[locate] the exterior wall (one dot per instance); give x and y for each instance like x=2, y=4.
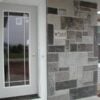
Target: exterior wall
x=72, y=65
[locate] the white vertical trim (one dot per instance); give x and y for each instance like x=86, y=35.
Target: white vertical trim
x=42, y=50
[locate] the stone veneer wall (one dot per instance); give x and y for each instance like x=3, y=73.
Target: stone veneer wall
x=72, y=63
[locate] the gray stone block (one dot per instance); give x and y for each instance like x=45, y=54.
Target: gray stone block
x=61, y=76
x=51, y=84
x=64, y=69
x=88, y=4
x=83, y=92
x=90, y=67
x=78, y=36
x=87, y=77
x=67, y=44
x=71, y=35
x=72, y=23
x=73, y=47
x=60, y=97
x=93, y=59
x=52, y=57
x=50, y=33
x=56, y=48
x=95, y=77
x=85, y=47
x=66, y=85
x=85, y=33
x=53, y=67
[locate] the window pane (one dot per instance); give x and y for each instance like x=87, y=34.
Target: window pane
x=16, y=48
x=6, y=48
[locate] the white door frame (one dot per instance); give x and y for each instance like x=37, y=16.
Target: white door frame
x=32, y=88
x=42, y=48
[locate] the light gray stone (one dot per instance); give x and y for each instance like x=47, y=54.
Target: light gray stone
x=53, y=67
x=87, y=77
x=61, y=76
x=59, y=42
x=60, y=97
x=87, y=39
x=55, y=20
x=73, y=72
x=73, y=59
x=51, y=84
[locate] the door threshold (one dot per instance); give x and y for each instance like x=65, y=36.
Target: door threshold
x=26, y=97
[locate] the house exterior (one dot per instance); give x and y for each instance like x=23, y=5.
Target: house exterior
x=49, y=50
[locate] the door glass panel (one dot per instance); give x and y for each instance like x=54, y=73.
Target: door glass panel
x=16, y=48
x=6, y=48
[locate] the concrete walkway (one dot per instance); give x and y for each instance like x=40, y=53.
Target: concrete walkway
x=90, y=98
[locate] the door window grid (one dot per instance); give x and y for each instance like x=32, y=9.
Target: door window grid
x=8, y=82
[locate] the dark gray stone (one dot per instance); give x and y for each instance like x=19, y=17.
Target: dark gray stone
x=85, y=33
x=83, y=92
x=56, y=48
x=85, y=9
x=73, y=47
x=78, y=36
x=95, y=77
x=71, y=35
x=26, y=97
x=52, y=57
x=99, y=53
x=67, y=44
x=72, y=23
x=76, y=7
x=93, y=59
x=64, y=69
x=50, y=33
x=82, y=47
x=88, y=4
x=90, y=67
x=89, y=47
x=96, y=41
x=85, y=47
x=66, y=85
x=52, y=10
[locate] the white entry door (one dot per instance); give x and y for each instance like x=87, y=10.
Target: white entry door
x=18, y=50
